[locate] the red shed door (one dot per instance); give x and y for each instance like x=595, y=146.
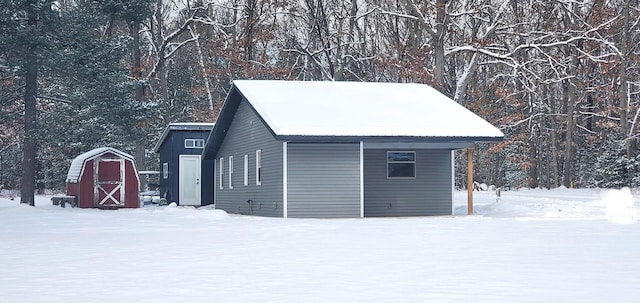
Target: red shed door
x=108, y=182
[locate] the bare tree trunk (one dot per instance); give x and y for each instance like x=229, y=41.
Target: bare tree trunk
x=437, y=34
x=137, y=66
x=623, y=88
x=203, y=69
x=533, y=170
x=633, y=130
x=571, y=122
x=250, y=12
x=140, y=154
x=554, y=143
x=161, y=82
x=571, y=96
x=343, y=59
x=438, y=43
x=552, y=126
x=28, y=184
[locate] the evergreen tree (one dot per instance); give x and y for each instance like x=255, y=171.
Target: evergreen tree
x=95, y=106
x=28, y=28
x=70, y=64
x=614, y=168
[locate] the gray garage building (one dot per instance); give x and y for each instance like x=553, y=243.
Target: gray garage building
x=339, y=149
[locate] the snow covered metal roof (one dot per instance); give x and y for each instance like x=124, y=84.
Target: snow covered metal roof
x=78, y=163
x=361, y=109
x=313, y=111
x=186, y=126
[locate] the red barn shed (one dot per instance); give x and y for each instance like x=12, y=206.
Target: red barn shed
x=104, y=178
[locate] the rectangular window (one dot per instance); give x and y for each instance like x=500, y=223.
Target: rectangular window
x=165, y=170
x=401, y=164
x=221, y=171
x=230, y=172
x=258, y=167
x=246, y=170
x=193, y=143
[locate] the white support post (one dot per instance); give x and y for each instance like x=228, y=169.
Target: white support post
x=361, y=179
x=285, y=194
x=453, y=180
x=470, y=181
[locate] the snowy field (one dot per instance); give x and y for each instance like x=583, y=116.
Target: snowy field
x=532, y=246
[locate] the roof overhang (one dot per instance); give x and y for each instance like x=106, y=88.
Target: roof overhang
x=194, y=126
x=372, y=140
x=243, y=90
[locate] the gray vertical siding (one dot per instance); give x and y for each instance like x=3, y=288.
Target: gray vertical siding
x=246, y=134
x=428, y=194
x=323, y=180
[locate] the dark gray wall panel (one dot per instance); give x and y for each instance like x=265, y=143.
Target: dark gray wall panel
x=430, y=193
x=323, y=180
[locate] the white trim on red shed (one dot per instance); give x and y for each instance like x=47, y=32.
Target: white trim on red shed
x=77, y=165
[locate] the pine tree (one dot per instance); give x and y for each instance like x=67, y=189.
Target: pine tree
x=27, y=32
x=614, y=168
x=72, y=70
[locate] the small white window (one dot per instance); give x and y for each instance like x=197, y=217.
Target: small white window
x=259, y=167
x=246, y=170
x=221, y=173
x=230, y=172
x=165, y=170
x=401, y=164
x=193, y=143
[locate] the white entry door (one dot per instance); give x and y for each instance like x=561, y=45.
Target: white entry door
x=190, y=188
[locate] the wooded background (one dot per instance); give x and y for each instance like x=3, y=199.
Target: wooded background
x=559, y=77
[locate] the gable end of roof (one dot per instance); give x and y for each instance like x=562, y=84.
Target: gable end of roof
x=180, y=127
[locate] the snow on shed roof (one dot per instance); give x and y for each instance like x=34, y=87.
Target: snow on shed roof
x=354, y=109
x=78, y=163
x=181, y=126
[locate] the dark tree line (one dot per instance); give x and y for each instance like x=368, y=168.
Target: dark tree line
x=559, y=77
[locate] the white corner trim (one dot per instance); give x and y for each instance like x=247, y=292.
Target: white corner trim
x=361, y=179
x=285, y=180
x=453, y=180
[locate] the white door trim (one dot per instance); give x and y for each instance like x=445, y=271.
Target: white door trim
x=98, y=184
x=198, y=186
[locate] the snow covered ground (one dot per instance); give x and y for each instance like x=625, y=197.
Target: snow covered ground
x=532, y=246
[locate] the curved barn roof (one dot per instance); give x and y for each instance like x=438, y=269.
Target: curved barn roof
x=78, y=163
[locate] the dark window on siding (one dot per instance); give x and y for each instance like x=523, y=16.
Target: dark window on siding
x=165, y=170
x=401, y=164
